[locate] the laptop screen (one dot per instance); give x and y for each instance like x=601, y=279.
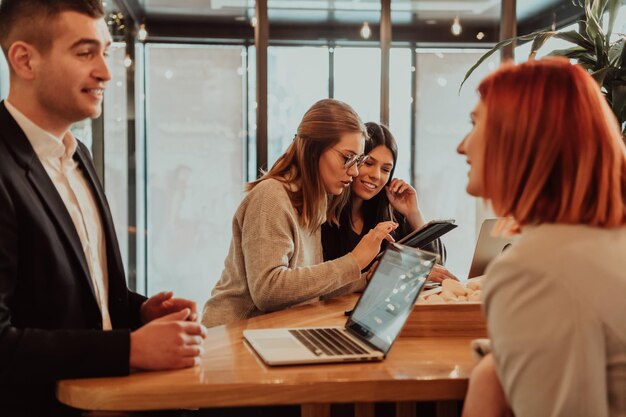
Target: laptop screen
x=390, y=295
x=488, y=247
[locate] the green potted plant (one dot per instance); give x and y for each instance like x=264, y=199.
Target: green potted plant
x=593, y=48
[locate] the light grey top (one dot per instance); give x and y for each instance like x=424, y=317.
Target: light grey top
x=555, y=304
x=273, y=262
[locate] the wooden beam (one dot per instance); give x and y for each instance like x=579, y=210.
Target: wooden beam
x=385, y=46
x=261, y=37
x=508, y=29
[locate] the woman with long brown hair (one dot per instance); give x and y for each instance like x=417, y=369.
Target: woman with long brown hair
x=275, y=258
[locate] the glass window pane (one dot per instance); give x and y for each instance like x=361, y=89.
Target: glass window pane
x=442, y=122
x=357, y=80
x=82, y=131
x=4, y=77
x=252, y=170
x=297, y=78
x=195, y=113
x=116, y=146
x=400, y=108
x=140, y=168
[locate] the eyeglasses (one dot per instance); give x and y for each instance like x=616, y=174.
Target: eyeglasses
x=351, y=160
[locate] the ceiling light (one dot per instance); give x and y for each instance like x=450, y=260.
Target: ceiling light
x=480, y=36
x=142, y=34
x=365, y=32
x=456, y=28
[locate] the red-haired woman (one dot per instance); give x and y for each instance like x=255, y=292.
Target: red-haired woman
x=547, y=153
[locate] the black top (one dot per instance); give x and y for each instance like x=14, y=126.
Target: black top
x=338, y=241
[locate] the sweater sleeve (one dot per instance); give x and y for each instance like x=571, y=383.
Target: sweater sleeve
x=548, y=345
x=271, y=241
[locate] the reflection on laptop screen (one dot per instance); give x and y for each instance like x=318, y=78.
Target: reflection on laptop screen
x=390, y=295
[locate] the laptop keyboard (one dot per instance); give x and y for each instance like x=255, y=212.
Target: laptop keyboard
x=331, y=342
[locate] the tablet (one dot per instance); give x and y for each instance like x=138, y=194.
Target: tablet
x=427, y=233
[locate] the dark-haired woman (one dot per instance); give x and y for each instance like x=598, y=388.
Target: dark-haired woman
x=377, y=197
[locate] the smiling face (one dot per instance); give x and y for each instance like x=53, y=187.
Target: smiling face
x=374, y=173
x=335, y=177
x=70, y=78
x=473, y=147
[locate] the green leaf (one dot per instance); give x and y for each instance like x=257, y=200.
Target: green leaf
x=482, y=59
x=614, y=6
x=496, y=48
x=539, y=41
x=597, y=8
x=600, y=74
x=593, y=27
x=615, y=52
x=619, y=101
x=587, y=62
x=575, y=37
x=582, y=57
x=572, y=53
x=622, y=60
x=601, y=53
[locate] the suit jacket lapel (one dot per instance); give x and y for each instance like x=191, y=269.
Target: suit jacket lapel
x=114, y=259
x=25, y=156
x=117, y=281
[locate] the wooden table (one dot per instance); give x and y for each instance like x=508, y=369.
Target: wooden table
x=416, y=369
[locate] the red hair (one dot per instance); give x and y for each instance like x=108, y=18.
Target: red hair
x=553, y=148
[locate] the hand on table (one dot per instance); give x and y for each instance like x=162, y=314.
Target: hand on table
x=163, y=303
x=169, y=342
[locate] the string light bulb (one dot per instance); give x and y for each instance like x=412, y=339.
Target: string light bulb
x=128, y=61
x=142, y=33
x=365, y=31
x=456, y=28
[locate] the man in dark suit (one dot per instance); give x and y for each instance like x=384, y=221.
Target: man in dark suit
x=65, y=309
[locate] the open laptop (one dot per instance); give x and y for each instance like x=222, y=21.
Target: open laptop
x=488, y=247
x=373, y=326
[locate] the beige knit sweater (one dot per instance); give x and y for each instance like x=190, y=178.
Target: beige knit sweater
x=273, y=262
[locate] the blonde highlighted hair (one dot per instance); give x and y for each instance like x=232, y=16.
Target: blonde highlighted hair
x=553, y=148
x=321, y=128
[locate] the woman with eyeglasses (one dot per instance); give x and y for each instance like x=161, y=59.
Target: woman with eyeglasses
x=275, y=258
x=377, y=197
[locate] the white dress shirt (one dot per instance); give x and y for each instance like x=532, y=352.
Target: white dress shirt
x=56, y=156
